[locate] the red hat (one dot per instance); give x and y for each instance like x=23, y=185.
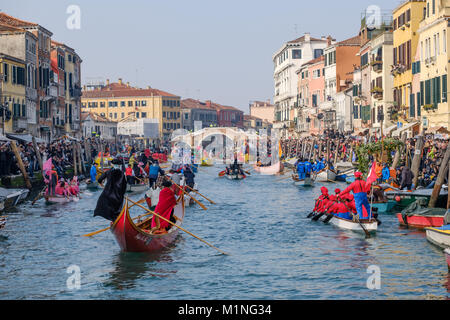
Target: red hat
x=324, y=190
x=337, y=190
x=358, y=174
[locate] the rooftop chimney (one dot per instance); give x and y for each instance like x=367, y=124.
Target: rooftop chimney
x=120, y=81
x=107, y=82
x=128, y=84
x=208, y=103
x=329, y=40
x=307, y=37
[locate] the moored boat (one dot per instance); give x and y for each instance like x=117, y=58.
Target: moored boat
x=12, y=197
x=136, y=188
x=325, y=176
x=418, y=215
x=270, y=170
x=384, y=207
x=2, y=222
x=307, y=182
x=439, y=236
x=447, y=258
x=133, y=237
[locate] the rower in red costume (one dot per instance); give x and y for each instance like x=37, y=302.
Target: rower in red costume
x=164, y=208
x=322, y=200
x=360, y=189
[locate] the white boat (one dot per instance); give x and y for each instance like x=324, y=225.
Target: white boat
x=439, y=236
x=60, y=199
x=370, y=225
x=136, y=188
x=270, y=170
x=307, y=182
x=325, y=176
x=13, y=196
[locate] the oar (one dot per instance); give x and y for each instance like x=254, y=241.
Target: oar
x=100, y=231
x=316, y=217
x=173, y=224
x=212, y=202
x=38, y=196
x=182, y=190
x=362, y=226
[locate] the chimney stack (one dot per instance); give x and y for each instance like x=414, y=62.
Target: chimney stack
x=307, y=37
x=120, y=81
x=128, y=84
x=208, y=103
x=329, y=40
x=107, y=82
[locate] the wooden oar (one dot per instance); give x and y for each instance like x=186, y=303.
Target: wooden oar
x=362, y=226
x=182, y=190
x=212, y=202
x=173, y=224
x=38, y=196
x=102, y=230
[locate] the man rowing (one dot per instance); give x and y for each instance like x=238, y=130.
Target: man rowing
x=360, y=189
x=164, y=208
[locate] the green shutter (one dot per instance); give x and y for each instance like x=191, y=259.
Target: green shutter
x=412, y=107
x=444, y=88
x=438, y=89
x=422, y=92
x=418, y=103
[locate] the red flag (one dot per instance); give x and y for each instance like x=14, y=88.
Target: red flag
x=372, y=176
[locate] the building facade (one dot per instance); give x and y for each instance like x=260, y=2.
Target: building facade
x=195, y=110
x=433, y=65
x=118, y=101
x=263, y=110
x=287, y=60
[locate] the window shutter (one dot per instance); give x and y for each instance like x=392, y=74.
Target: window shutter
x=438, y=89
x=444, y=88
x=418, y=104
x=422, y=91
x=412, y=107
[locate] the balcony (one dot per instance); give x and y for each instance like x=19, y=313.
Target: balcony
x=377, y=93
x=377, y=65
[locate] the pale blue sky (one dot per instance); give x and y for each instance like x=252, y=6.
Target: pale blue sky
x=205, y=49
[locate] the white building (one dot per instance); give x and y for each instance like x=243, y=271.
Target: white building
x=94, y=124
x=287, y=60
x=144, y=128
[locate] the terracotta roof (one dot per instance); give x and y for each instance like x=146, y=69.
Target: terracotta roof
x=313, y=61
x=116, y=90
x=6, y=27
x=194, y=104
x=354, y=41
x=261, y=104
x=7, y=19
x=302, y=39
x=250, y=117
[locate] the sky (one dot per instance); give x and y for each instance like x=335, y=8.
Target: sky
x=202, y=49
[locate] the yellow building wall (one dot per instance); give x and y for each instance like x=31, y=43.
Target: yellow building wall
x=401, y=36
x=12, y=92
x=429, y=28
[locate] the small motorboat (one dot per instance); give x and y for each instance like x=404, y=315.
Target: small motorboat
x=439, y=236
x=418, y=215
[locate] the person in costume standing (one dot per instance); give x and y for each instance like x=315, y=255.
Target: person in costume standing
x=360, y=189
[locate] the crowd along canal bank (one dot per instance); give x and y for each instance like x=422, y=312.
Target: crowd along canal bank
x=274, y=251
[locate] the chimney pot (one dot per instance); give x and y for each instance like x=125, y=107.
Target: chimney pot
x=307, y=37
x=120, y=80
x=107, y=82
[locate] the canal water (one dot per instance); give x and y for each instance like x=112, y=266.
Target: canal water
x=275, y=252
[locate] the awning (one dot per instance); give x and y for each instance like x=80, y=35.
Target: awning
x=404, y=128
x=27, y=138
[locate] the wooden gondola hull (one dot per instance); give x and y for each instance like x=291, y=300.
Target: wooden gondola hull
x=326, y=176
x=131, y=238
x=439, y=236
x=421, y=222
x=59, y=199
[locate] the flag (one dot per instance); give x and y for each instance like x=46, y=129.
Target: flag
x=372, y=177
x=47, y=165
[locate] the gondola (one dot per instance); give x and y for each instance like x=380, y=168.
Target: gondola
x=270, y=170
x=384, y=207
x=133, y=237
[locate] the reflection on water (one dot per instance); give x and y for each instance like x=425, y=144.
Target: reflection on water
x=276, y=253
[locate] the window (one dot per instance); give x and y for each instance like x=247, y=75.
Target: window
x=122, y=103
x=130, y=103
x=137, y=103
x=137, y=114
x=122, y=115
x=444, y=40
x=164, y=114
x=318, y=53
x=408, y=15
x=434, y=6
x=364, y=59
x=143, y=114
x=144, y=103
x=115, y=115
x=296, y=54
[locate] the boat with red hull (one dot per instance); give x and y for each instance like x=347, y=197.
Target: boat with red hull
x=421, y=221
x=133, y=237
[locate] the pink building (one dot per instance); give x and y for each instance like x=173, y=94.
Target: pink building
x=311, y=92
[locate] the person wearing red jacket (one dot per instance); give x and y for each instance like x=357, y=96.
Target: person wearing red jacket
x=164, y=208
x=322, y=200
x=360, y=189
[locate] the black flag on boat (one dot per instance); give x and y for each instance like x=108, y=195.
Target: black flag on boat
x=110, y=201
